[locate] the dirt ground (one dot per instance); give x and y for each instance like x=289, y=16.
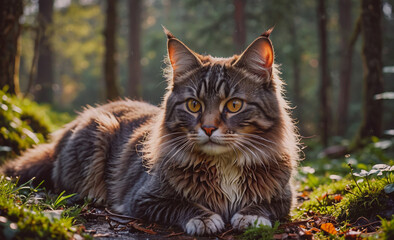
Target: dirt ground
x=104, y=225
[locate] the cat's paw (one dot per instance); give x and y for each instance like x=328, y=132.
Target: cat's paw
x=241, y=222
x=205, y=225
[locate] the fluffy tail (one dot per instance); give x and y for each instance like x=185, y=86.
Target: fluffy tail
x=36, y=162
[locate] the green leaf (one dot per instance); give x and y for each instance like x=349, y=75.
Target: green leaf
x=389, y=188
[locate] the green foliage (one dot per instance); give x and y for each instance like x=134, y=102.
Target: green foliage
x=24, y=123
x=60, y=200
x=387, y=229
x=21, y=217
x=317, y=169
x=349, y=199
x=260, y=232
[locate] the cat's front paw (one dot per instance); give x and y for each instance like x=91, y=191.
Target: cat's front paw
x=205, y=225
x=241, y=222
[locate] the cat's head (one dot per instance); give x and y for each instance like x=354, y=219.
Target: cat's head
x=222, y=105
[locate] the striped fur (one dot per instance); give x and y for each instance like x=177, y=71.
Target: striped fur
x=159, y=164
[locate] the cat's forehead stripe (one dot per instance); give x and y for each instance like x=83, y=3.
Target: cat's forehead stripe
x=213, y=82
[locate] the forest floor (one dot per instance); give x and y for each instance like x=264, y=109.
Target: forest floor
x=351, y=204
x=102, y=224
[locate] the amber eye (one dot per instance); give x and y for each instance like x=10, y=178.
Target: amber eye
x=193, y=105
x=234, y=105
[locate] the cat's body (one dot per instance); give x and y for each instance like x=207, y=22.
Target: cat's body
x=221, y=148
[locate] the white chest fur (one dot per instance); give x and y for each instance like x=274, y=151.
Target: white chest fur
x=230, y=182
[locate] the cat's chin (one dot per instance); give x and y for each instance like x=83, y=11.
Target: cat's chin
x=211, y=148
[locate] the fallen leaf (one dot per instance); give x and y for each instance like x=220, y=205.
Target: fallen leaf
x=314, y=229
x=329, y=228
x=305, y=194
x=323, y=197
x=338, y=197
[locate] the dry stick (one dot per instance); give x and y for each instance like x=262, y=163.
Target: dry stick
x=141, y=229
x=173, y=234
x=121, y=216
x=225, y=233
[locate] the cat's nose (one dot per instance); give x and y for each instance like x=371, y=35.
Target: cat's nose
x=208, y=129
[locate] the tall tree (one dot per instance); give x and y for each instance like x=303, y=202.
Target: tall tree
x=346, y=52
x=295, y=59
x=371, y=32
x=44, y=80
x=134, y=85
x=240, y=28
x=10, y=12
x=112, y=91
x=325, y=108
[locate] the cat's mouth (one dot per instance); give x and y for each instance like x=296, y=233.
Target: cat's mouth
x=213, y=147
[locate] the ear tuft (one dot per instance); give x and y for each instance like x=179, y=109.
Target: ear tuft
x=258, y=58
x=268, y=32
x=168, y=33
x=181, y=57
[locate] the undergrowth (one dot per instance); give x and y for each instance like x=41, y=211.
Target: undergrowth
x=24, y=123
x=387, y=230
x=25, y=215
x=261, y=232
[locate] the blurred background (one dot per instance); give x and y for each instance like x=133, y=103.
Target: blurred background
x=70, y=53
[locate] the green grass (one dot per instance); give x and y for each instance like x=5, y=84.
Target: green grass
x=261, y=232
x=24, y=216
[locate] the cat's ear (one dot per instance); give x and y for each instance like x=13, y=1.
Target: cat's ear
x=258, y=58
x=181, y=57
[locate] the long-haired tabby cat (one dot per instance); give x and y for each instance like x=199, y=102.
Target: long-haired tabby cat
x=220, y=149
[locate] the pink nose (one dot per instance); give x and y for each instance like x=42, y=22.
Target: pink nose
x=208, y=129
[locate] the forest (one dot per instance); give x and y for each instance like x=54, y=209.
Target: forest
x=336, y=60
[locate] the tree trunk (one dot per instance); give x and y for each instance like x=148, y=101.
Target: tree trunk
x=240, y=28
x=371, y=32
x=325, y=109
x=134, y=86
x=10, y=12
x=44, y=81
x=296, y=60
x=346, y=52
x=111, y=87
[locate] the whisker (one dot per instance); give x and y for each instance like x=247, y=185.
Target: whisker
x=267, y=155
x=257, y=137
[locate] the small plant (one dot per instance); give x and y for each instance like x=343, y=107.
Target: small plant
x=260, y=232
x=366, y=195
x=22, y=216
x=387, y=229
x=60, y=200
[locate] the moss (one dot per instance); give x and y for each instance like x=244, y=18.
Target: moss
x=367, y=201
x=261, y=232
x=322, y=200
x=347, y=200
x=24, y=123
x=387, y=229
x=20, y=219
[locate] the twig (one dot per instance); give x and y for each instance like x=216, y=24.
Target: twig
x=173, y=234
x=221, y=236
x=141, y=229
x=120, y=215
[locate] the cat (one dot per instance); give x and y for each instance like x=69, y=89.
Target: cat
x=221, y=148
